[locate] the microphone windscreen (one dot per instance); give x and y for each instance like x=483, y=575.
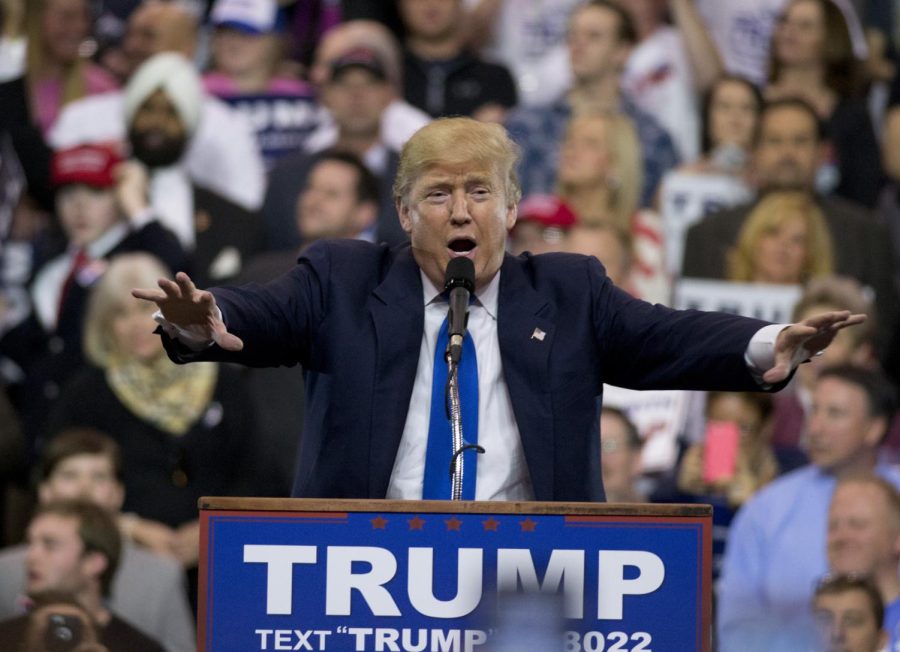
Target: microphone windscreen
x=460, y=273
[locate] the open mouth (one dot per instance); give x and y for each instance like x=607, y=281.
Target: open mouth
x=461, y=246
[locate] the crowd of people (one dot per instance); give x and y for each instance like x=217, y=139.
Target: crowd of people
x=740, y=156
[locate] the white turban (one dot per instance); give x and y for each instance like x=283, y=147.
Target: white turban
x=177, y=77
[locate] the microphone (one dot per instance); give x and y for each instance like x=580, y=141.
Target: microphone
x=460, y=282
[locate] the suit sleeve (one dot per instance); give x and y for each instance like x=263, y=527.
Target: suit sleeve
x=646, y=346
x=276, y=321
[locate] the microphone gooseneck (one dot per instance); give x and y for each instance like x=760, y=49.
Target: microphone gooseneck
x=459, y=283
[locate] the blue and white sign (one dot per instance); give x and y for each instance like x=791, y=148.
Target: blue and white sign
x=430, y=581
x=282, y=122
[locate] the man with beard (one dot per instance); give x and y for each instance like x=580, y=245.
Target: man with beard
x=222, y=154
x=163, y=105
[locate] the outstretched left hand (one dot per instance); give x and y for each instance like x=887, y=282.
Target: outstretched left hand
x=806, y=339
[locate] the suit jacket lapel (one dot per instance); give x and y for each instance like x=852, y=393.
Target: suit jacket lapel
x=525, y=327
x=398, y=315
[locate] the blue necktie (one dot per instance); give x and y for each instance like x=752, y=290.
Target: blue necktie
x=440, y=451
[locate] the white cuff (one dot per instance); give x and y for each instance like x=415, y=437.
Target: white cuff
x=760, y=353
x=191, y=339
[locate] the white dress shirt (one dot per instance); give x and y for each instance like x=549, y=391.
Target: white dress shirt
x=46, y=289
x=502, y=472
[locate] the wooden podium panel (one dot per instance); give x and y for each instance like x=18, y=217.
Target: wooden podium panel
x=298, y=574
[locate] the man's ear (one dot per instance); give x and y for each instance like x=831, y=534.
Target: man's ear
x=875, y=431
x=512, y=214
x=120, y=498
x=44, y=494
x=403, y=214
x=822, y=151
x=95, y=564
x=621, y=55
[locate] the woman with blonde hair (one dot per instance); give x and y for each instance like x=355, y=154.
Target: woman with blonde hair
x=600, y=169
x=185, y=431
x=600, y=178
x=784, y=240
x=56, y=73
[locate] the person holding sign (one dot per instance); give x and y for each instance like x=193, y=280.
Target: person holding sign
x=247, y=74
x=547, y=332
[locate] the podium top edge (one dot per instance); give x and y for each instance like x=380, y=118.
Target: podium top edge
x=218, y=503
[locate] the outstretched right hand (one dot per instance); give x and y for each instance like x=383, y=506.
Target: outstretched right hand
x=190, y=309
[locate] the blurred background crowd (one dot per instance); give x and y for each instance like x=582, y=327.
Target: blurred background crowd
x=738, y=155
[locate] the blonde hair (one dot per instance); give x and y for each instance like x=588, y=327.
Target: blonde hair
x=107, y=297
x=626, y=179
x=459, y=141
x=770, y=213
x=74, y=86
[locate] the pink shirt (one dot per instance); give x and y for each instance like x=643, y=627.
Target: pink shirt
x=223, y=86
x=48, y=93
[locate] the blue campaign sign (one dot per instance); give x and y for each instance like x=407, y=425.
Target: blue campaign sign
x=419, y=579
x=282, y=121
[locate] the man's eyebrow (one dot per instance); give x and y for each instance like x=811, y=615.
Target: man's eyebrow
x=479, y=179
x=470, y=179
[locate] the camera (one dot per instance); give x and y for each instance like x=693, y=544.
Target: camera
x=63, y=633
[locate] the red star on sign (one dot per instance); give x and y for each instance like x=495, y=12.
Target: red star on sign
x=528, y=525
x=416, y=523
x=490, y=525
x=378, y=523
x=453, y=524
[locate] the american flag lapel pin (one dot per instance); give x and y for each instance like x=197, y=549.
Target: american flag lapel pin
x=538, y=334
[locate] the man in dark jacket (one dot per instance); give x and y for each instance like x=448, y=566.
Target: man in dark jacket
x=440, y=76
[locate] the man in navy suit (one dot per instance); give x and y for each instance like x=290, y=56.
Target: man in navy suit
x=548, y=330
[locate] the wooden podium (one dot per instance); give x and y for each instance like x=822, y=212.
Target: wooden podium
x=297, y=574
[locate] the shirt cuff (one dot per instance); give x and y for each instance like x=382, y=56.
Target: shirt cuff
x=194, y=341
x=760, y=353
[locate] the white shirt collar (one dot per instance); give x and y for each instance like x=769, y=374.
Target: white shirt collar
x=486, y=297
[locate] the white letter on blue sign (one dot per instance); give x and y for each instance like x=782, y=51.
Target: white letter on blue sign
x=612, y=585
x=280, y=561
x=565, y=567
x=341, y=580
x=468, y=584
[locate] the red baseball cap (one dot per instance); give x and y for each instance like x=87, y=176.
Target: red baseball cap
x=91, y=165
x=546, y=210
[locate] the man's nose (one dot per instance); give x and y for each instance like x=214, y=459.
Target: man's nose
x=459, y=208
x=813, y=424
x=837, y=632
x=83, y=489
